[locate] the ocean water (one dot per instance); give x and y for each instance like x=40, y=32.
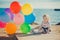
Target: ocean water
x=54, y=15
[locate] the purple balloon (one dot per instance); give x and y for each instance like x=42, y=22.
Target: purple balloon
x=9, y=13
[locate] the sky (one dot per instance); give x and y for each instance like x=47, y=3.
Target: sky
x=41, y=4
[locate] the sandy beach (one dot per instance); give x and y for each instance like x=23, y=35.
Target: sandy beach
x=53, y=35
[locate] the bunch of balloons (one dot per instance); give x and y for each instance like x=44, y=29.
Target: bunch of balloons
x=20, y=15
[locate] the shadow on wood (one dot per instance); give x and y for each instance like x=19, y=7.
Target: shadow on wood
x=11, y=37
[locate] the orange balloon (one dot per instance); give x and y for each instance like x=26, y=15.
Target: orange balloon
x=15, y=7
x=10, y=28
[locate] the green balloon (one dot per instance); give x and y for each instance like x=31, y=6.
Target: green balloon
x=25, y=28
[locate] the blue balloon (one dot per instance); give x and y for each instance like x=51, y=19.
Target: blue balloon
x=3, y=16
x=29, y=18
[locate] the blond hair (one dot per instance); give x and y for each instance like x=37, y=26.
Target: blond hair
x=47, y=16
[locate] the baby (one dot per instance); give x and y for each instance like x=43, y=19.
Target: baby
x=45, y=25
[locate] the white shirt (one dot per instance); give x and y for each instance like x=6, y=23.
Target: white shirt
x=45, y=25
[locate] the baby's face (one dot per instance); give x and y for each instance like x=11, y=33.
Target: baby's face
x=45, y=19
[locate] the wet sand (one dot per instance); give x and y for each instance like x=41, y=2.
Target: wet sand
x=53, y=35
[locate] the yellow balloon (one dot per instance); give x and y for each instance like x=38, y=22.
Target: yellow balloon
x=27, y=9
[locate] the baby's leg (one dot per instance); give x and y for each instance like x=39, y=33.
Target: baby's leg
x=35, y=30
x=40, y=29
x=44, y=30
x=32, y=30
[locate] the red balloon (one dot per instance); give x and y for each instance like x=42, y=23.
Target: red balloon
x=15, y=7
x=2, y=24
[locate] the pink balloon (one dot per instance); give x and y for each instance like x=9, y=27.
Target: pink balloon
x=19, y=19
x=2, y=25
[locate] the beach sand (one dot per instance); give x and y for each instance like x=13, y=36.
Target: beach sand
x=53, y=35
